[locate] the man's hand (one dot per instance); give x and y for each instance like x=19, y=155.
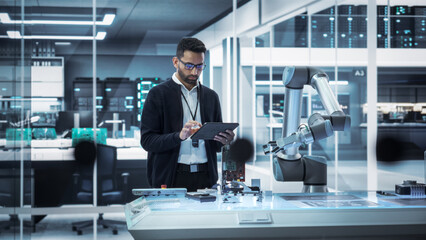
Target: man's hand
x=186, y=130
x=225, y=137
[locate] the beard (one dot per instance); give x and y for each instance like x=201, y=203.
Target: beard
x=190, y=79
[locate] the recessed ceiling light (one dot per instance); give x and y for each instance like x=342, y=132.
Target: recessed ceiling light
x=62, y=43
x=344, y=83
x=108, y=19
x=17, y=35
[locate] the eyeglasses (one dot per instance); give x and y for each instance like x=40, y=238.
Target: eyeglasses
x=190, y=66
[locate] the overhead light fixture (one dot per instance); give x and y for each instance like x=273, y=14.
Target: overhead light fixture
x=108, y=19
x=17, y=35
x=62, y=43
x=342, y=83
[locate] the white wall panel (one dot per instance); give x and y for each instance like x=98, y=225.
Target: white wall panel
x=208, y=36
x=246, y=57
x=262, y=56
x=223, y=28
x=401, y=57
x=326, y=57
x=47, y=74
x=216, y=56
x=290, y=56
x=247, y=16
x=47, y=89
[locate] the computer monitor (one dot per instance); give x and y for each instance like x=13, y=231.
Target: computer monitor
x=65, y=120
x=86, y=119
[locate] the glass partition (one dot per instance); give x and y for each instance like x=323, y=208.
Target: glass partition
x=16, y=123
x=300, y=41
x=263, y=40
x=292, y=32
x=401, y=125
x=350, y=85
x=68, y=71
x=265, y=119
x=323, y=28
x=400, y=102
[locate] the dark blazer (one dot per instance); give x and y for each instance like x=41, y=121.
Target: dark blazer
x=161, y=123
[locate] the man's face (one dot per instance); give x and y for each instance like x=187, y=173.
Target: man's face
x=189, y=76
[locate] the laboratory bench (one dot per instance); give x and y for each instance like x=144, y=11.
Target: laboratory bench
x=343, y=215
x=52, y=166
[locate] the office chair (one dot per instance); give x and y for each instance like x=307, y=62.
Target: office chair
x=109, y=191
x=9, y=196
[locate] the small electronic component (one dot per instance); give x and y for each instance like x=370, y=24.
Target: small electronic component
x=157, y=192
x=232, y=170
x=383, y=193
x=202, y=197
x=411, y=187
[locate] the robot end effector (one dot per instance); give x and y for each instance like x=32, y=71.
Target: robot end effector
x=319, y=126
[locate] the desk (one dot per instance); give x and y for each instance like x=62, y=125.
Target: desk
x=281, y=216
x=53, y=169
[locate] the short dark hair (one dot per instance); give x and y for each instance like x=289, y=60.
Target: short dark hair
x=190, y=44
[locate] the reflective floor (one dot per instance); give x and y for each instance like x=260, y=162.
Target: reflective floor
x=58, y=227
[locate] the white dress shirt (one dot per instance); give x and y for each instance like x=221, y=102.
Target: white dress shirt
x=189, y=154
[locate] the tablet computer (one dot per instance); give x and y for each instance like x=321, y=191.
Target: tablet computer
x=211, y=129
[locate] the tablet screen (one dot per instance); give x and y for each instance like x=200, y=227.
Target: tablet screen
x=210, y=129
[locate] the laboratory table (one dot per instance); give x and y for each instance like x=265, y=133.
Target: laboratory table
x=352, y=215
x=52, y=170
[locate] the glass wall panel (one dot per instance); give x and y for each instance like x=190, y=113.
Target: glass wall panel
x=265, y=122
x=352, y=31
x=16, y=120
x=49, y=106
x=292, y=33
x=352, y=27
x=382, y=32
x=345, y=150
x=351, y=88
x=401, y=125
x=407, y=25
x=246, y=95
x=263, y=40
x=323, y=29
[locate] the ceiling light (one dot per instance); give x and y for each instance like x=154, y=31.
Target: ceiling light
x=108, y=19
x=342, y=83
x=17, y=35
x=62, y=43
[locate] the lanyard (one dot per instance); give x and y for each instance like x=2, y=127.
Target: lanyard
x=196, y=108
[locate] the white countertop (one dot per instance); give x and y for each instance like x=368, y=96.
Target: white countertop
x=61, y=150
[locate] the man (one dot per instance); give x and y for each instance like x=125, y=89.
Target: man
x=171, y=110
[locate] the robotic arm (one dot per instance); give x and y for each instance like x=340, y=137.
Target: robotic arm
x=289, y=165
